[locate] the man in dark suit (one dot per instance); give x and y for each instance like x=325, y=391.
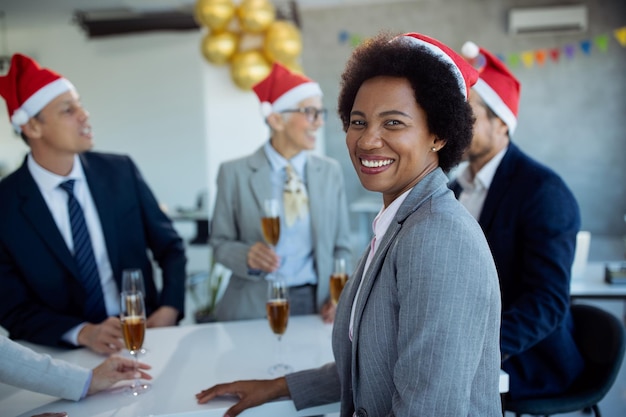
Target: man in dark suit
x=530, y=219
x=61, y=262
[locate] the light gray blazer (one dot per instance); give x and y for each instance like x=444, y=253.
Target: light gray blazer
x=27, y=369
x=242, y=185
x=427, y=320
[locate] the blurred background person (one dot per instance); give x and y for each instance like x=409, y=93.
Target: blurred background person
x=418, y=325
x=314, y=228
x=71, y=220
x=530, y=219
x=27, y=369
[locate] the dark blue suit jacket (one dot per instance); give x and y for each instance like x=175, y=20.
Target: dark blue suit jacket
x=41, y=296
x=531, y=219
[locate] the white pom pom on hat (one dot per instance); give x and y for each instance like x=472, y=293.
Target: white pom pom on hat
x=470, y=50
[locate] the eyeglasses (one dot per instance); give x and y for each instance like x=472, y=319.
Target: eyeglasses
x=311, y=113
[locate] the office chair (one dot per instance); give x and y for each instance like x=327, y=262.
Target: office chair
x=601, y=338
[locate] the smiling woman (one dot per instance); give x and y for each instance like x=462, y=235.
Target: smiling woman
x=418, y=322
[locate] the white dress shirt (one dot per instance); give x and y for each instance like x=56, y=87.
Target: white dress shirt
x=475, y=189
x=56, y=200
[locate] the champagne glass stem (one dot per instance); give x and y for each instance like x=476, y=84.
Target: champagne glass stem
x=136, y=383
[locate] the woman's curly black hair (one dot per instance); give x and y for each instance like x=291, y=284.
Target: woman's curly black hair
x=435, y=86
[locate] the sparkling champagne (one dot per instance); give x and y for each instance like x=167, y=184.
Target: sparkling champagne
x=271, y=229
x=134, y=331
x=337, y=282
x=278, y=315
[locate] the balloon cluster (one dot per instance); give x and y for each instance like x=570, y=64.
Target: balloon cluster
x=248, y=37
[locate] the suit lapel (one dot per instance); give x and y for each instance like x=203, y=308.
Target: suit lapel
x=498, y=188
x=260, y=183
x=36, y=213
x=103, y=196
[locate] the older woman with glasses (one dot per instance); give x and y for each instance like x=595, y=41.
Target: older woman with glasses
x=314, y=225
x=417, y=327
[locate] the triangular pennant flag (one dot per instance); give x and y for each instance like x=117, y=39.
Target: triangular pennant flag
x=620, y=35
x=555, y=54
x=569, y=50
x=540, y=57
x=355, y=40
x=602, y=42
x=344, y=36
x=527, y=59
x=585, y=46
x=513, y=60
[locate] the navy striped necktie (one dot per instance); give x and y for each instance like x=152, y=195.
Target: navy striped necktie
x=94, y=308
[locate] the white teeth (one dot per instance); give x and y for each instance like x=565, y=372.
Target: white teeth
x=86, y=130
x=376, y=164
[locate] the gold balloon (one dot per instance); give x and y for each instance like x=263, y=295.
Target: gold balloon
x=294, y=66
x=283, y=42
x=255, y=16
x=215, y=14
x=218, y=48
x=248, y=68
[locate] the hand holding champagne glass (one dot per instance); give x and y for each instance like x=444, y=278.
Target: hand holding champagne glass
x=338, y=279
x=133, y=318
x=278, y=316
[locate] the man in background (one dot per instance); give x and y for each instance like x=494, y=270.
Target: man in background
x=71, y=220
x=530, y=219
x=314, y=226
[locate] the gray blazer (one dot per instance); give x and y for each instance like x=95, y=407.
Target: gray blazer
x=24, y=368
x=427, y=320
x=242, y=185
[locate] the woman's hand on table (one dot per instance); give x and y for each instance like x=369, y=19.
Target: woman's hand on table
x=250, y=393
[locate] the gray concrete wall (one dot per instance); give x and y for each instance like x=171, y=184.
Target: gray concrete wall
x=571, y=113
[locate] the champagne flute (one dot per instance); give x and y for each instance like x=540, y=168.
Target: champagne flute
x=133, y=318
x=278, y=315
x=132, y=281
x=338, y=279
x=270, y=224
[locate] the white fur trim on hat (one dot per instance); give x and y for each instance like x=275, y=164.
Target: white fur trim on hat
x=438, y=53
x=296, y=95
x=495, y=103
x=35, y=103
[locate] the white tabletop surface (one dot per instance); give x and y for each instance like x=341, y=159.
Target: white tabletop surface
x=591, y=284
x=188, y=359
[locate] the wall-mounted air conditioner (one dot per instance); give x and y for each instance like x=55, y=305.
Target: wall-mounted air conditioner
x=549, y=19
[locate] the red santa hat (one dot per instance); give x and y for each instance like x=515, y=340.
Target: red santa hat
x=282, y=90
x=465, y=74
x=27, y=89
x=497, y=86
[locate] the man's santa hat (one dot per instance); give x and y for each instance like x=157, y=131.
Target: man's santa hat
x=498, y=88
x=283, y=90
x=27, y=89
x=464, y=73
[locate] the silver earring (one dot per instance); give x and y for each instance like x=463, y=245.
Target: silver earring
x=433, y=149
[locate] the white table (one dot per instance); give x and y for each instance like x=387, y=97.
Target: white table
x=592, y=284
x=188, y=359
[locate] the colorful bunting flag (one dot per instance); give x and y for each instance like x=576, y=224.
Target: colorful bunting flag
x=602, y=42
x=530, y=58
x=540, y=57
x=620, y=35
